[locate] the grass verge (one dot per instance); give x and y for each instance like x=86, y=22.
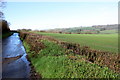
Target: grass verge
x=52, y=62
x=4, y=35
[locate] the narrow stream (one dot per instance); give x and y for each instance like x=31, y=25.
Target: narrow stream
x=15, y=64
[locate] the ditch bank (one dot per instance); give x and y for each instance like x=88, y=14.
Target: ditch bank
x=108, y=59
x=33, y=73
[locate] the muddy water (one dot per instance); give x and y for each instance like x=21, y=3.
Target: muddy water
x=15, y=64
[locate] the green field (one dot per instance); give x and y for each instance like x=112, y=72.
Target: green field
x=109, y=32
x=104, y=42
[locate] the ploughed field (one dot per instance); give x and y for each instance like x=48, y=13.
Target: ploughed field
x=102, y=42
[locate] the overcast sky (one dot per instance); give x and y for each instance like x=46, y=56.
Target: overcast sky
x=49, y=15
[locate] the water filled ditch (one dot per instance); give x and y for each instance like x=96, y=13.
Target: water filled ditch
x=15, y=63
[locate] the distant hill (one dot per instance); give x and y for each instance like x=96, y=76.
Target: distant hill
x=107, y=27
x=93, y=29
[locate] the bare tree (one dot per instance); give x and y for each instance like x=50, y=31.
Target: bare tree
x=2, y=6
x=1, y=15
x=2, y=3
x=4, y=25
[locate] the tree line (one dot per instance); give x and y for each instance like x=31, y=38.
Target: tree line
x=4, y=25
